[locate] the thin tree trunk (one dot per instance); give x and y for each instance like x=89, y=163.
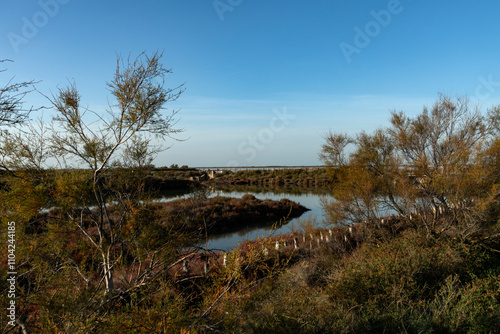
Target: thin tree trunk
x=108, y=273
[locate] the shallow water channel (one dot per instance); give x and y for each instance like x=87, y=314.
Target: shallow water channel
x=310, y=200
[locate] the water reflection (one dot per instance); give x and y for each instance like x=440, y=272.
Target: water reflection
x=311, y=201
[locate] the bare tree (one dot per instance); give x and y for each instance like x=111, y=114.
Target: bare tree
x=121, y=137
x=434, y=162
x=11, y=101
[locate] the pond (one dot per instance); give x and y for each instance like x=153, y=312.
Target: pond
x=310, y=200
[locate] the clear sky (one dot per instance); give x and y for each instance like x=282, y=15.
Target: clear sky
x=265, y=79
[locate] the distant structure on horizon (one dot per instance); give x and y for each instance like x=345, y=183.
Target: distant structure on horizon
x=215, y=170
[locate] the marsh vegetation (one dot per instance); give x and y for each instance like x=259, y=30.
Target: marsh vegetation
x=411, y=242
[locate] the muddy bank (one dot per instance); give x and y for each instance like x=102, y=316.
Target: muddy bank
x=195, y=217
x=218, y=215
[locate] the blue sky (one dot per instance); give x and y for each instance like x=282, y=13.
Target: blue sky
x=264, y=79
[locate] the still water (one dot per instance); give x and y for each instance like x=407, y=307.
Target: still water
x=311, y=201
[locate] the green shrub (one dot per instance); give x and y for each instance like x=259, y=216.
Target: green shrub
x=467, y=308
x=410, y=263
